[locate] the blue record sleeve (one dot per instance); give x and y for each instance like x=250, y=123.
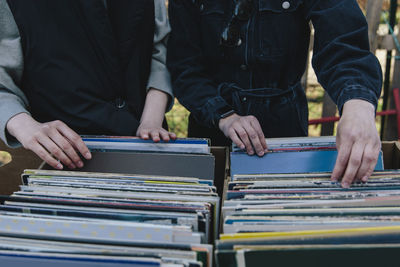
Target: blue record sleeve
x=288, y=162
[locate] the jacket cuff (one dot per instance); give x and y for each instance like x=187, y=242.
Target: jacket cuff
x=212, y=111
x=356, y=92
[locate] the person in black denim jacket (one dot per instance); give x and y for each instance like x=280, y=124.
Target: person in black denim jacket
x=236, y=66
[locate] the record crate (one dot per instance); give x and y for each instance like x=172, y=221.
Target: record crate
x=24, y=159
x=10, y=174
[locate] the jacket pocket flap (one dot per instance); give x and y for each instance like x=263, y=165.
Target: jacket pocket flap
x=208, y=7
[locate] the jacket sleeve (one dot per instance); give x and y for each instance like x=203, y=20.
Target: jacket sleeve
x=191, y=84
x=343, y=63
x=12, y=99
x=159, y=75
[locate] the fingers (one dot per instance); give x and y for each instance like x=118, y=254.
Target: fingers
x=257, y=127
x=54, y=140
x=353, y=164
x=242, y=133
x=44, y=155
x=164, y=135
x=75, y=140
x=159, y=134
x=172, y=135
x=357, y=128
x=227, y=126
x=54, y=149
x=68, y=156
x=249, y=136
x=254, y=139
x=144, y=134
x=235, y=139
x=344, y=151
x=245, y=132
x=369, y=160
x=155, y=136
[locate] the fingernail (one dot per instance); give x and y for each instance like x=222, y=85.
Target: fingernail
x=242, y=147
x=71, y=166
x=80, y=164
x=261, y=153
x=60, y=166
x=251, y=152
x=364, y=179
x=345, y=185
x=88, y=155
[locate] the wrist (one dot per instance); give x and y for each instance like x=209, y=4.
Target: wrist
x=226, y=120
x=151, y=123
x=222, y=113
x=18, y=123
x=358, y=107
x=154, y=108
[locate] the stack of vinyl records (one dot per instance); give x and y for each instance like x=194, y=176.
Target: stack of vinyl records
x=60, y=218
x=306, y=220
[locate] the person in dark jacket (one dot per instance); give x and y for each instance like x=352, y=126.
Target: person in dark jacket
x=72, y=67
x=236, y=66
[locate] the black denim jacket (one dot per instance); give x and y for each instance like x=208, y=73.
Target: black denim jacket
x=209, y=79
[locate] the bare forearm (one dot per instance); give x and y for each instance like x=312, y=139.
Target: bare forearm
x=155, y=106
x=153, y=117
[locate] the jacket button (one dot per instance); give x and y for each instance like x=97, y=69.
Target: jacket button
x=285, y=5
x=243, y=67
x=119, y=103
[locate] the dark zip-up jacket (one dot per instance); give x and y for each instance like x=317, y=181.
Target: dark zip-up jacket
x=85, y=64
x=261, y=76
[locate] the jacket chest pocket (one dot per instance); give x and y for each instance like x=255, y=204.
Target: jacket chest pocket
x=212, y=19
x=278, y=26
